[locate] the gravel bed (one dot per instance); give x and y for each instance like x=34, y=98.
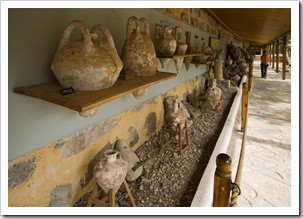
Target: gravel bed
x=170, y=180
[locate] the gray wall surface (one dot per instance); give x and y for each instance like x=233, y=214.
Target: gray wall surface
x=33, y=38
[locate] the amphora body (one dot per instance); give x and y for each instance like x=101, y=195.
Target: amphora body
x=166, y=44
x=86, y=64
x=110, y=172
x=138, y=52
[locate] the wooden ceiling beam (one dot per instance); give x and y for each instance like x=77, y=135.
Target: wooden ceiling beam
x=255, y=25
x=214, y=16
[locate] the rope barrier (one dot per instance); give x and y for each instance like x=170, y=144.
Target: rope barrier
x=236, y=185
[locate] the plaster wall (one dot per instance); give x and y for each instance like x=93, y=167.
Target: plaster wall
x=51, y=149
x=60, y=173
x=34, y=36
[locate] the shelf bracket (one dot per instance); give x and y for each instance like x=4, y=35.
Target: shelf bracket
x=188, y=61
x=89, y=113
x=164, y=62
x=178, y=62
x=138, y=94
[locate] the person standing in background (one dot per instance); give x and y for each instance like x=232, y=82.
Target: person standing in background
x=264, y=64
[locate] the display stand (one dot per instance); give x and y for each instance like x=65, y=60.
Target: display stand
x=181, y=148
x=98, y=198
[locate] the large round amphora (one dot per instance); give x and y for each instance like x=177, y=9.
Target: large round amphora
x=166, y=44
x=138, y=52
x=110, y=172
x=86, y=64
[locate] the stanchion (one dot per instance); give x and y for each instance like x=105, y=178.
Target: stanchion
x=250, y=75
x=244, y=105
x=222, y=181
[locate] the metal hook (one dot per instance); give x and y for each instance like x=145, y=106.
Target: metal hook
x=235, y=185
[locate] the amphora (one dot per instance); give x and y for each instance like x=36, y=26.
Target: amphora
x=86, y=64
x=138, y=52
x=110, y=172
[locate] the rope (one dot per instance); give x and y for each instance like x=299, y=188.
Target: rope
x=236, y=185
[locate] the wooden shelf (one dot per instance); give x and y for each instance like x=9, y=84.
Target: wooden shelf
x=82, y=101
x=180, y=56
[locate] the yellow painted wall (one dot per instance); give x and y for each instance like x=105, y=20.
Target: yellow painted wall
x=53, y=172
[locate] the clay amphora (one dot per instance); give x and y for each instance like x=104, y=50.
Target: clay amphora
x=206, y=49
x=180, y=50
x=86, y=64
x=188, y=42
x=131, y=158
x=110, y=172
x=213, y=94
x=174, y=115
x=202, y=57
x=228, y=60
x=244, y=67
x=218, y=69
x=138, y=52
x=181, y=47
x=166, y=44
x=235, y=52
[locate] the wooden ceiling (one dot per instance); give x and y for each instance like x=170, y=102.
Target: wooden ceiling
x=255, y=25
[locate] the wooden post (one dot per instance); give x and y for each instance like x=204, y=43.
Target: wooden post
x=273, y=55
x=222, y=181
x=92, y=196
x=284, y=57
x=250, y=74
x=112, y=200
x=277, y=56
x=270, y=55
x=128, y=192
x=244, y=105
x=180, y=139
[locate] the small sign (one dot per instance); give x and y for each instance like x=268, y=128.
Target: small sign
x=121, y=200
x=66, y=91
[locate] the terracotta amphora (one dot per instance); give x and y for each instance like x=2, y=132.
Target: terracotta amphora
x=174, y=114
x=181, y=47
x=110, y=172
x=166, y=44
x=131, y=158
x=138, y=52
x=86, y=64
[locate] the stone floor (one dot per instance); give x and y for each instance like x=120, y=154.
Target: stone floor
x=266, y=179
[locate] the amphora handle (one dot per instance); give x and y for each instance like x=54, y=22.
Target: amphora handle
x=168, y=31
x=146, y=26
x=112, y=155
x=106, y=33
x=178, y=34
x=87, y=42
x=129, y=26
